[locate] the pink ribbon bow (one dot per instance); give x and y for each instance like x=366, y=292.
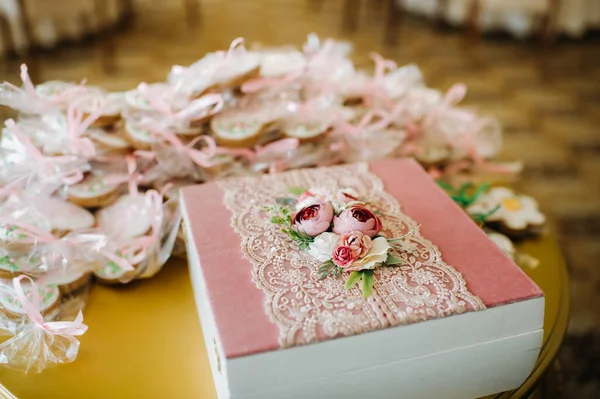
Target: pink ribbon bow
x=32, y=308
x=275, y=152
x=44, y=163
x=29, y=90
x=132, y=178
x=136, y=250
x=77, y=125
x=185, y=115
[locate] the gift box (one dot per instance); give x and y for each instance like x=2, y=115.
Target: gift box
x=440, y=310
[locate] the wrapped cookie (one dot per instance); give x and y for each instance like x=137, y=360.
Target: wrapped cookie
x=35, y=342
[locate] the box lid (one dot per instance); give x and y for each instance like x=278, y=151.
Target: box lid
x=238, y=306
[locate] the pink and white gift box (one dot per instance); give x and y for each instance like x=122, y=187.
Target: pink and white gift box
x=458, y=320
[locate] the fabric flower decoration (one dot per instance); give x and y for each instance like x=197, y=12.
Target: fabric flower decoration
x=357, y=218
x=378, y=254
x=314, y=219
x=322, y=246
x=515, y=211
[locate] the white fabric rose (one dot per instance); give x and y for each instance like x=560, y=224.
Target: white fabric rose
x=322, y=246
x=376, y=255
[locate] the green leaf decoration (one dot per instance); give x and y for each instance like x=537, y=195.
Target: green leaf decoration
x=352, y=280
x=393, y=260
x=367, y=283
x=461, y=195
x=326, y=269
x=297, y=191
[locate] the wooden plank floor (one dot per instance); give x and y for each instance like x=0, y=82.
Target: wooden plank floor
x=547, y=100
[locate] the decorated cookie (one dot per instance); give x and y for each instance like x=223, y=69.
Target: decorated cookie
x=126, y=219
x=238, y=129
x=111, y=273
x=63, y=216
x=107, y=106
x=12, y=265
x=109, y=143
x=93, y=191
x=280, y=63
x=49, y=301
x=70, y=283
x=140, y=137
x=305, y=131
x=514, y=213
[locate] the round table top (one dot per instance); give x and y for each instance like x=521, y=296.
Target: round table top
x=145, y=340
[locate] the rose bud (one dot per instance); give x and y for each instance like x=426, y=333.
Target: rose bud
x=314, y=219
x=357, y=218
x=342, y=256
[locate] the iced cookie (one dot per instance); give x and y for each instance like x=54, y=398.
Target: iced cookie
x=276, y=64
x=515, y=214
x=108, y=143
x=12, y=265
x=108, y=106
x=140, y=137
x=93, y=191
x=305, y=131
x=49, y=301
x=111, y=273
x=71, y=283
x=63, y=216
x=238, y=129
x=126, y=219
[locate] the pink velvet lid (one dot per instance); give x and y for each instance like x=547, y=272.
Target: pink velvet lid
x=238, y=305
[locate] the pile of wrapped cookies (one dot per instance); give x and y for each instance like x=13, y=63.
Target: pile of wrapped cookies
x=89, y=179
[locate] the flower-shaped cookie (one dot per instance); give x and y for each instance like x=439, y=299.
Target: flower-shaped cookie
x=503, y=242
x=516, y=212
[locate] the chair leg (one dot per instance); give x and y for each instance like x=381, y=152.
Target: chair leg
x=350, y=15
x=547, y=30
x=394, y=20
x=473, y=22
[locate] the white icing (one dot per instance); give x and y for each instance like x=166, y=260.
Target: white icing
x=125, y=219
x=276, y=64
x=65, y=216
x=91, y=187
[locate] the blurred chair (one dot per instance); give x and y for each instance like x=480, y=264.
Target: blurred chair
x=544, y=9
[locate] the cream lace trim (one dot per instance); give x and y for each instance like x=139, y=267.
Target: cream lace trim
x=308, y=310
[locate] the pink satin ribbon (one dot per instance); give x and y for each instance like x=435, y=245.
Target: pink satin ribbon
x=132, y=178
x=29, y=90
x=78, y=125
x=276, y=151
x=32, y=308
x=136, y=250
x=46, y=163
x=188, y=113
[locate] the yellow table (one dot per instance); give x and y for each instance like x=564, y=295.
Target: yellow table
x=145, y=340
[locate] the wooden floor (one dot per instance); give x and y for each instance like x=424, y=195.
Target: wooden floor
x=547, y=100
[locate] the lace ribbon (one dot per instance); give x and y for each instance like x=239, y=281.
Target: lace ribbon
x=307, y=310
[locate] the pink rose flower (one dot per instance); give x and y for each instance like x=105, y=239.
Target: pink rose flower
x=357, y=218
x=343, y=256
x=314, y=219
x=359, y=243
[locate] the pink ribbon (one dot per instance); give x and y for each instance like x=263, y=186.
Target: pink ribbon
x=132, y=178
x=137, y=249
x=32, y=308
x=188, y=113
x=78, y=125
x=277, y=150
x=46, y=163
x=254, y=85
x=29, y=89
